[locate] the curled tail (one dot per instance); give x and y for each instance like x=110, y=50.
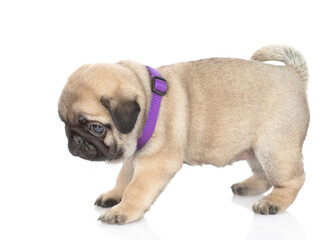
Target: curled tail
x=285, y=54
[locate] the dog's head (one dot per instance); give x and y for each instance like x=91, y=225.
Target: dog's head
x=101, y=106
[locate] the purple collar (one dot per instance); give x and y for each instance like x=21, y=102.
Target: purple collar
x=159, y=88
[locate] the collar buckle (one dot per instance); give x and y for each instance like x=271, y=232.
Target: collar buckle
x=159, y=85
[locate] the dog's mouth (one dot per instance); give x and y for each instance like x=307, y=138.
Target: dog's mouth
x=81, y=148
x=92, y=150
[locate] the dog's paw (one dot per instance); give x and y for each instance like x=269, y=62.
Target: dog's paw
x=120, y=215
x=253, y=185
x=265, y=207
x=106, y=201
x=240, y=189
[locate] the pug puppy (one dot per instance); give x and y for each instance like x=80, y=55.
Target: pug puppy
x=215, y=111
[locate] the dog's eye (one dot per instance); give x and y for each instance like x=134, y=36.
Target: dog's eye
x=97, y=130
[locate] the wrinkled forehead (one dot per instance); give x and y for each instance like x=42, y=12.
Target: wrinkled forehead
x=87, y=85
x=73, y=106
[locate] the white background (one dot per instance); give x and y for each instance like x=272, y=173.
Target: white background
x=48, y=194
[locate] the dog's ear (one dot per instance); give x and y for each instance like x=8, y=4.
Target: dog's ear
x=123, y=112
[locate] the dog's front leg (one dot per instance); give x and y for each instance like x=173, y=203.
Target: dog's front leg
x=151, y=175
x=114, y=196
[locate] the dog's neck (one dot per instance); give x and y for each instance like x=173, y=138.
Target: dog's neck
x=159, y=89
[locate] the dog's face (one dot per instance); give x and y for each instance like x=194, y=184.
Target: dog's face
x=100, y=110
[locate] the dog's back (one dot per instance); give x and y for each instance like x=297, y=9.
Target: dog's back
x=231, y=101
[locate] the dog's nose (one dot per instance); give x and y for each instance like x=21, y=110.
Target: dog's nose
x=78, y=139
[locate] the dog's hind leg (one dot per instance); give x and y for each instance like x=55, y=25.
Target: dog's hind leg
x=256, y=184
x=284, y=169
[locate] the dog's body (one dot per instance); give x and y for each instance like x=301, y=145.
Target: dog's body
x=216, y=111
